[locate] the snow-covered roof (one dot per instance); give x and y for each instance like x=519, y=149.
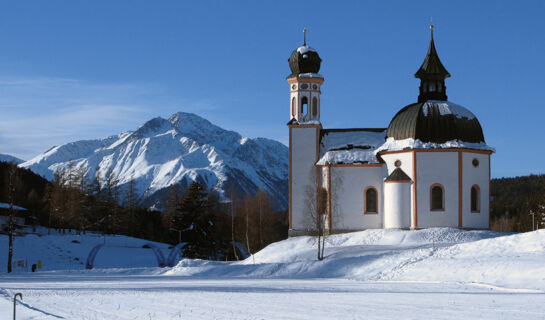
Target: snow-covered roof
x=343, y=146
x=305, y=49
x=445, y=108
x=310, y=75
x=397, y=145
x=6, y=206
x=353, y=146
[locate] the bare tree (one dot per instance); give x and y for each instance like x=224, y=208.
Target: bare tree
x=131, y=203
x=321, y=207
x=316, y=207
x=233, y=212
x=13, y=180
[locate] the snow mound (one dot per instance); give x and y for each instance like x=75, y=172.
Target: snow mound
x=436, y=254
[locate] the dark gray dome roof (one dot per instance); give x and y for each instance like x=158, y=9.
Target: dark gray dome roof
x=436, y=122
x=304, y=60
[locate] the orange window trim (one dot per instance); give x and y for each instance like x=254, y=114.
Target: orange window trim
x=443, y=197
x=460, y=190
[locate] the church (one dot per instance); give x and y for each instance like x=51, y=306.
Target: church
x=429, y=168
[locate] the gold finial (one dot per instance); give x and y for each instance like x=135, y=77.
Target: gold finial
x=431, y=23
x=304, y=36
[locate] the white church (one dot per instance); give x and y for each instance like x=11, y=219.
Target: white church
x=429, y=168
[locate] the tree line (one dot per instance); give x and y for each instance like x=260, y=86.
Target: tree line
x=514, y=199
x=212, y=228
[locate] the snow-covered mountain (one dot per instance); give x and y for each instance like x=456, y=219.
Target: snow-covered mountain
x=180, y=150
x=8, y=158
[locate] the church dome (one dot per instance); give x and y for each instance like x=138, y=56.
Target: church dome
x=304, y=60
x=436, y=122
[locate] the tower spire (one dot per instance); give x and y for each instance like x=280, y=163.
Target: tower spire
x=304, y=36
x=432, y=75
x=431, y=27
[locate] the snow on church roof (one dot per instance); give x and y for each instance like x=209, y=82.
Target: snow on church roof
x=447, y=107
x=350, y=145
x=392, y=144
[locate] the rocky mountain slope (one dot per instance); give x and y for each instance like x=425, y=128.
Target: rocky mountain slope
x=179, y=150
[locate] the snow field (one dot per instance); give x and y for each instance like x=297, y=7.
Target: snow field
x=59, y=252
x=438, y=273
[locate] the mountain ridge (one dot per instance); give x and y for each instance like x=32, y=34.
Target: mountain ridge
x=178, y=150
x=9, y=158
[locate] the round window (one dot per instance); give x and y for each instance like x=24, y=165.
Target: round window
x=475, y=162
x=314, y=87
x=397, y=163
x=304, y=86
x=294, y=87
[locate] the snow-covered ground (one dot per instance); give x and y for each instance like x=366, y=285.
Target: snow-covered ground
x=70, y=251
x=376, y=274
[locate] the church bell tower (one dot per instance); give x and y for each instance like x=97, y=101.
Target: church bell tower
x=305, y=83
x=304, y=134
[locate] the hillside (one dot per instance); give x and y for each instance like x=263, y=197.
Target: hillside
x=438, y=254
x=512, y=200
x=180, y=150
x=9, y=158
x=70, y=251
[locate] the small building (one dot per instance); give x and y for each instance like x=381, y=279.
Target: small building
x=19, y=216
x=429, y=168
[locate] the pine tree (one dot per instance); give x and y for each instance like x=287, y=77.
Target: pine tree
x=196, y=221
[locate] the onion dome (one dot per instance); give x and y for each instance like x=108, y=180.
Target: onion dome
x=433, y=119
x=436, y=122
x=304, y=60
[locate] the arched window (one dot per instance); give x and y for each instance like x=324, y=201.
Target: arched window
x=371, y=201
x=304, y=105
x=475, y=198
x=314, y=107
x=293, y=107
x=437, y=198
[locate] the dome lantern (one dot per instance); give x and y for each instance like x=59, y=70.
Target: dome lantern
x=432, y=75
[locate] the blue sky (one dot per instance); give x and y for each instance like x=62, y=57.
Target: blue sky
x=72, y=70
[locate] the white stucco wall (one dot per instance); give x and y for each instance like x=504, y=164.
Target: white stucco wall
x=303, y=174
x=347, y=197
x=475, y=176
x=442, y=167
x=406, y=159
x=432, y=168
x=397, y=199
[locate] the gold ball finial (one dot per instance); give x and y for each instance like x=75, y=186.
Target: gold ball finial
x=431, y=27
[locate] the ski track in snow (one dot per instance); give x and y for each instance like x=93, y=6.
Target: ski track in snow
x=438, y=273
